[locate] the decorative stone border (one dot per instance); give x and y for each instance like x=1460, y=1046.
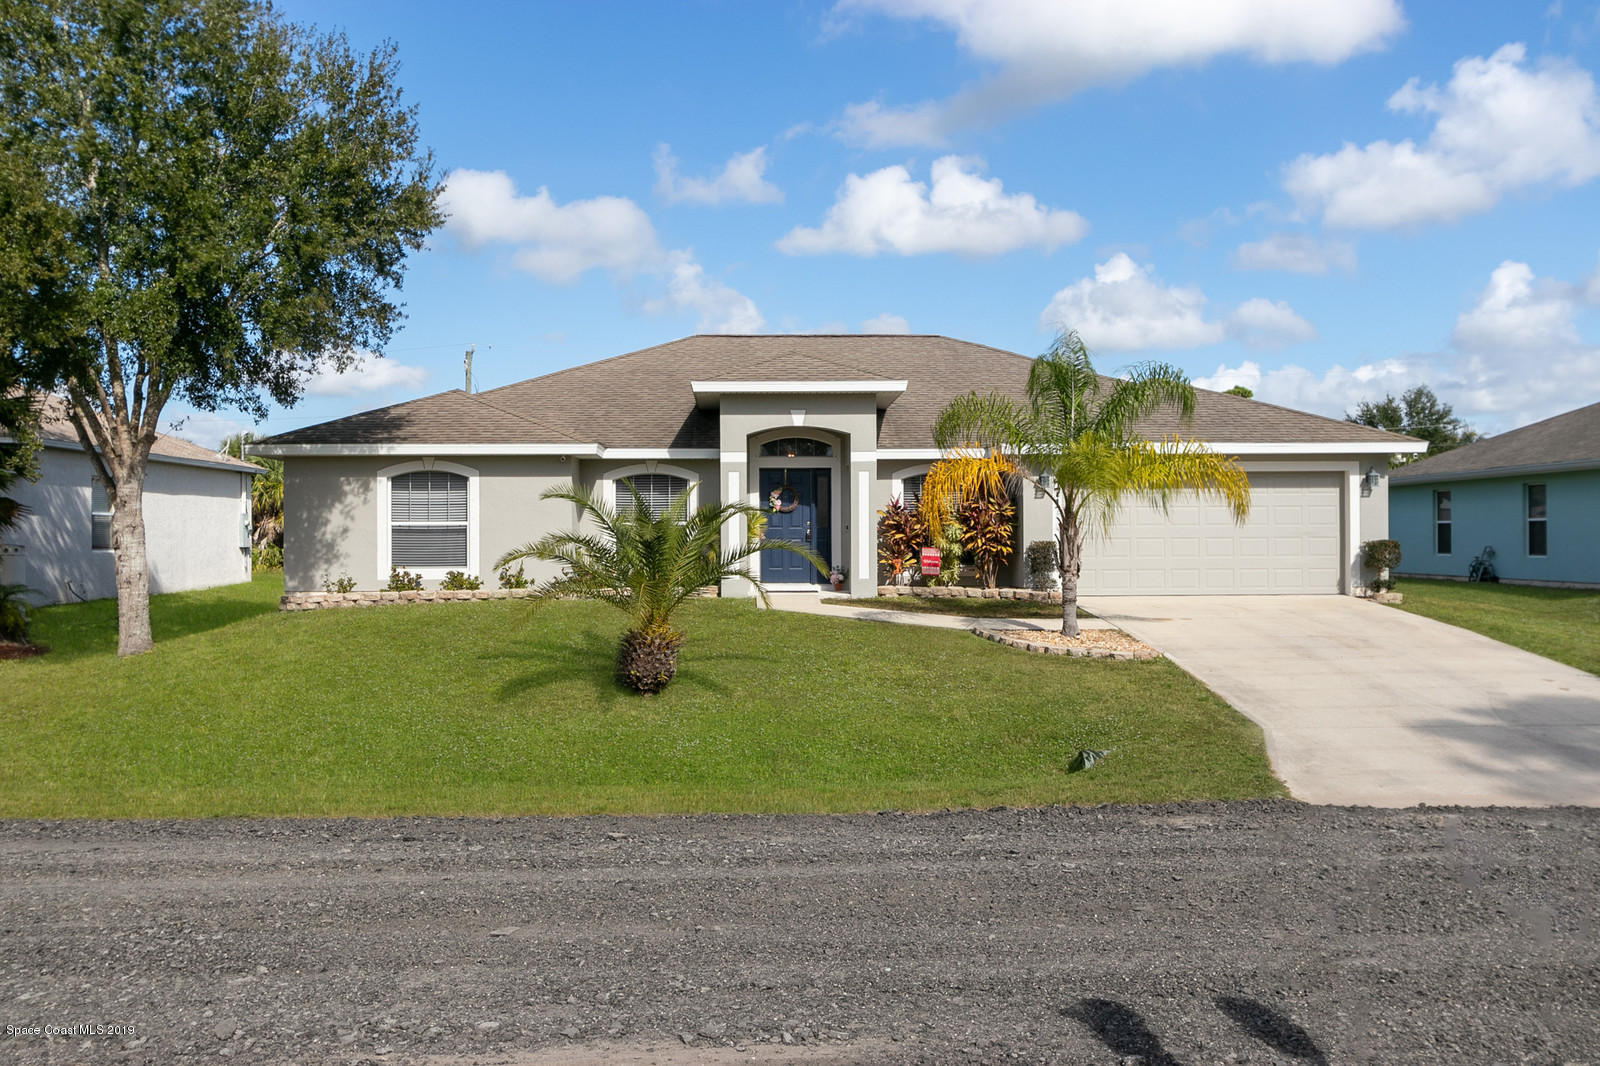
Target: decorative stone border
x=315, y=601
x=963, y=592
x=319, y=601
x=1083, y=652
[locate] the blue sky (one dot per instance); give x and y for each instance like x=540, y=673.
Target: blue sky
x=1325, y=200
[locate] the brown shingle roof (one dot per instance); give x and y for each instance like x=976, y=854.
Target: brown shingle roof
x=643, y=399
x=54, y=425
x=1570, y=441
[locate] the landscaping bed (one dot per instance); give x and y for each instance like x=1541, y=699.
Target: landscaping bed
x=958, y=605
x=1560, y=624
x=1089, y=643
x=505, y=707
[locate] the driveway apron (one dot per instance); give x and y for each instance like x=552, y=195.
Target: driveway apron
x=1365, y=704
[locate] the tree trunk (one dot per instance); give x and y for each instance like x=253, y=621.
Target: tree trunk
x=133, y=571
x=1069, y=550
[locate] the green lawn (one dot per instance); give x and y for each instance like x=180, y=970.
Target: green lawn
x=956, y=605
x=506, y=707
x=1560, y=624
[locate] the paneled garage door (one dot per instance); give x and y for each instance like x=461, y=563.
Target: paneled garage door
x=1288, y=544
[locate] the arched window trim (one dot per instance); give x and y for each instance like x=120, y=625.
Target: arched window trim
x=384, y=498
x=898, y=479
x=608, y=484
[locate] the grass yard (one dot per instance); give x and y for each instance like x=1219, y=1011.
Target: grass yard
x=1560, y=624
x=504, y=707
x=958, y=605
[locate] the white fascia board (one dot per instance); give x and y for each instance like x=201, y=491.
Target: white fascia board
x=658, y=453
x=1315, y=448
x=887, y=454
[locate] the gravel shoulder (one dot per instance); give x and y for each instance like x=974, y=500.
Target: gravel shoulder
x=1265, y=932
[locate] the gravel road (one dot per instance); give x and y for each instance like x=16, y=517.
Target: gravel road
x=1186, y=934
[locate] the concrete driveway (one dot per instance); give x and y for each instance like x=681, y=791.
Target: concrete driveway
x=1363, y=704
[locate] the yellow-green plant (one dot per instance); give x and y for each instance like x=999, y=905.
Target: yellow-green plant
x=1077, y=439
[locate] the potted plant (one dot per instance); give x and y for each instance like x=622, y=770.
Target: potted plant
x=837, y=576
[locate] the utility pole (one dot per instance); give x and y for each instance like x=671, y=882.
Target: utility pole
x=467, y=362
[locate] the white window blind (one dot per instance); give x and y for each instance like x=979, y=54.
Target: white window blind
x=656, y=490
x=99, y=516
x=428, y=519
x=911, y=491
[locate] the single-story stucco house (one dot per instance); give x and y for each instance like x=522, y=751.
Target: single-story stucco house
x=196, y=519
x=1532, y=494
x=835, y=425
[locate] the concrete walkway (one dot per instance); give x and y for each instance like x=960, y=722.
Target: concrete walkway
x=1364, y=704
x=811, y=603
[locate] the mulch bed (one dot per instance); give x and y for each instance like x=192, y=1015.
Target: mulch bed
x=1089, y=643
x=9, y=650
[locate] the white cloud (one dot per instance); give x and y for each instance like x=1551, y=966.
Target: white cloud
x=1517, y=357
x=886, y=323
x=369, y=373
x=721, y=309
x=1123, y=308
x=1045, y=50
x=1261, y=323
x=962, y=212
x=1499, y=125
x=742, y=180
x=556, y=242
x=1297, y=253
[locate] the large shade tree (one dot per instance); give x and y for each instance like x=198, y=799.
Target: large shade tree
x=236, y=198
x=1077, y=438
x=647, y=563
x=1417, y=413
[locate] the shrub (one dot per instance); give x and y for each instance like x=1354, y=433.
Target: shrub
x=266, y=558
x=1380, y=556
x=456, y=581
x=901, y=536
x=1044, y=565
x=13, y=614
x=985, y=522
x=403, y=581
x=512, y=580
x=948, y=541
x=342, y=583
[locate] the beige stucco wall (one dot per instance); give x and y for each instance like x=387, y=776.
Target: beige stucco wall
x=192, y=516
x=332, y=525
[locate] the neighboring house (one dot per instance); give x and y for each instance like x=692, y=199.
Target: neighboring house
x=1532, y=494
x=196, y=519
x=832, y=427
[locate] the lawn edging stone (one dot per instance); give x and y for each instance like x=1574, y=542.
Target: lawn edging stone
x=928, y=592
x=317, y=601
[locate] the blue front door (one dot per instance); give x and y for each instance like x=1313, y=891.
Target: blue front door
x=803, y=516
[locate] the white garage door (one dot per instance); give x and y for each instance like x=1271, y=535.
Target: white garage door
x=1288, y=544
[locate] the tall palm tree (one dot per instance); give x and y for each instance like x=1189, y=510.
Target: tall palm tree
x=647, y=565
x=1077, y=439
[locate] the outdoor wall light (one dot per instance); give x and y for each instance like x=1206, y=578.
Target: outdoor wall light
x=1370, y=481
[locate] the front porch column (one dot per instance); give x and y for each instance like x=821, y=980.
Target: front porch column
x=863, y=579
x=734, y=472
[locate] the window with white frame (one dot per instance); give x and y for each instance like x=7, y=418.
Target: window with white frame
x=656, y=491
x=1538, y=542
x=428, y=519
x=911, y=491
x=99, y=515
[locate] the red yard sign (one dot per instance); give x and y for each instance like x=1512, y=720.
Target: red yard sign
x=930, y=561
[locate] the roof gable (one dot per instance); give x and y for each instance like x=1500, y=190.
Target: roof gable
x=1566, y=441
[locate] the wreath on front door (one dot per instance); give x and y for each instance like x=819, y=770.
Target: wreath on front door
x=783, y=499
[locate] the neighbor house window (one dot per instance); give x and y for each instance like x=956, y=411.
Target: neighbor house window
x=1537, y=543
x=656, y=490
x=1441, y=523
x=99, y=516
x=428, y=519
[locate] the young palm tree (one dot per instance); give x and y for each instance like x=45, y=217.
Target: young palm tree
x=647, y=564
x=1076, y=439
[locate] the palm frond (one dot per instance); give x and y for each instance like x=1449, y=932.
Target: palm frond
x=1147, y=388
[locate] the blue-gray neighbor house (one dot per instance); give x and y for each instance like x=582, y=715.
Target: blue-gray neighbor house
x=1532, y=494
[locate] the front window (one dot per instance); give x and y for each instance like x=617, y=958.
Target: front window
x=428, y=519
x=911, y=491
x=1441, y=523
x=99, y=516
x=656, y=491
x=793, y=447
x=1537, y=542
